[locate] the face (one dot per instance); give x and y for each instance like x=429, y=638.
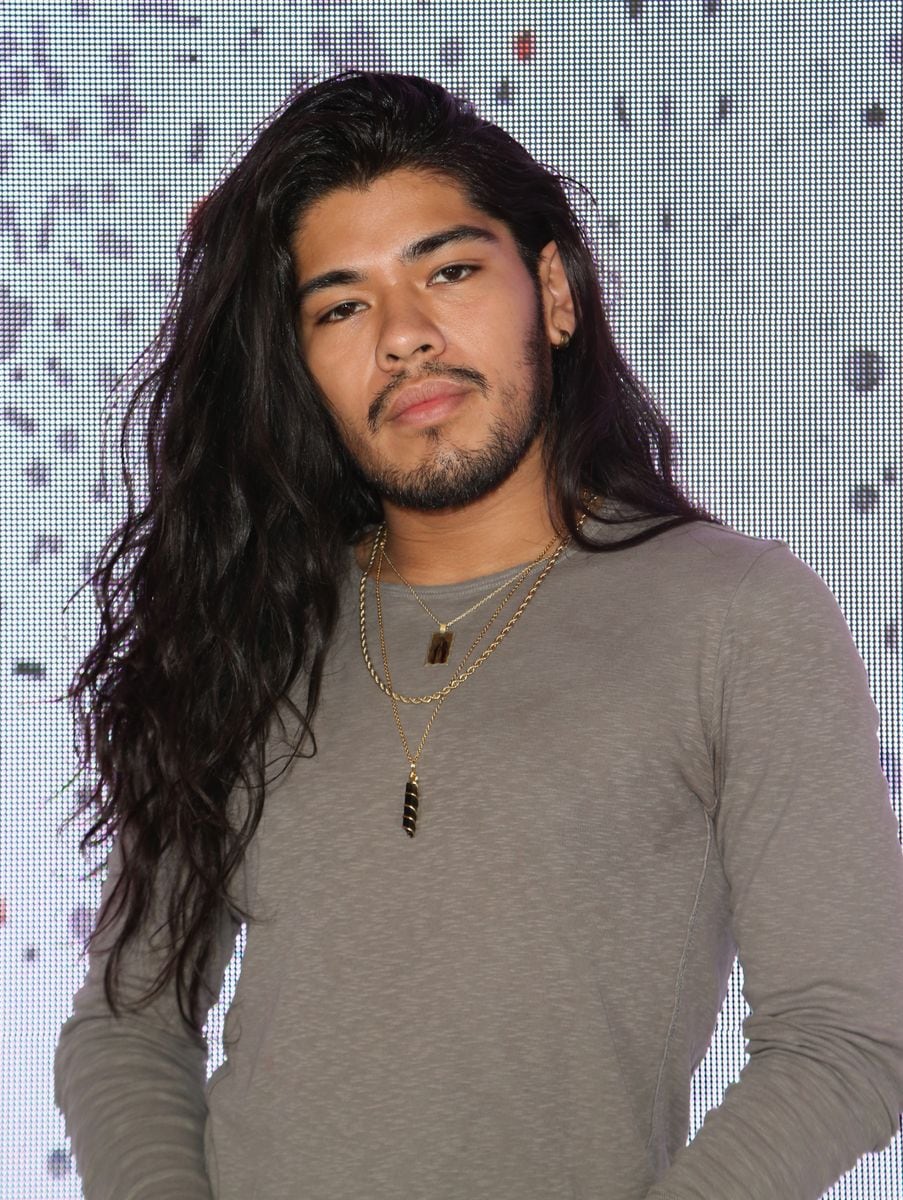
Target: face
x=427, y=336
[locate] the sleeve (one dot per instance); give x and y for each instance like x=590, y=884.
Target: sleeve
x=810, y=849
x=132, y=1087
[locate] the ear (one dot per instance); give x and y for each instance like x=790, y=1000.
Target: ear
x=557, y=301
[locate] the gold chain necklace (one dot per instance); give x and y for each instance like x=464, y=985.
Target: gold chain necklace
x=461, y=674
x=440, y=644
x=412, y=784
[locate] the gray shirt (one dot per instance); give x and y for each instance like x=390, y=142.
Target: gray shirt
x=672, y=758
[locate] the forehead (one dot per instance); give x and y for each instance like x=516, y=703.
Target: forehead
x=350, y=224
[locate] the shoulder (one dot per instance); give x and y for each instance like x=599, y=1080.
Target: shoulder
x=701, y=571
x=699, y=557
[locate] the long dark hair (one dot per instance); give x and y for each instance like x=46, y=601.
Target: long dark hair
x=221, y=589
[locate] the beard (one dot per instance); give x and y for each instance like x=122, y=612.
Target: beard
x=454, y=477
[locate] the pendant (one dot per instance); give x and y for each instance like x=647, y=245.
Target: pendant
x=439, y=647
x=411, y=802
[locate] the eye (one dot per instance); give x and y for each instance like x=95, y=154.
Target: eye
x=339, y=313
x=458, y=271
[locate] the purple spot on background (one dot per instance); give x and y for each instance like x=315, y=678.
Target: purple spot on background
x=451, y=54
x=58, y=372
x=81, y=922
x=865, y=497
x=113, y=244
x=45, y=545
x=67, y=440
x=37, y=473
x=19, y=420
x=197, y=140
x=59, y=1164
x=123, y=111
x=15, y=316
x=864, y=370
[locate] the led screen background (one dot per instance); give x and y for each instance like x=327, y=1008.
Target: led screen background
x=746, y=162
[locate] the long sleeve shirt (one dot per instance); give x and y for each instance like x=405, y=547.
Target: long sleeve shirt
x=671, y=759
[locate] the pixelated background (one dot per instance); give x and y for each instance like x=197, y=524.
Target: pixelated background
x=746, y=159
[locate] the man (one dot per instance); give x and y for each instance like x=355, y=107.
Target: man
x=417, y=658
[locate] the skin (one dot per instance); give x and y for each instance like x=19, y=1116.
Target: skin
x=468, y=312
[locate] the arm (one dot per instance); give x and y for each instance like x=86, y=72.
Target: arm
x=810, y=849
x=131, y=1087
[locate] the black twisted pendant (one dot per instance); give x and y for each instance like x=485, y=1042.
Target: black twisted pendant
x=411, y=802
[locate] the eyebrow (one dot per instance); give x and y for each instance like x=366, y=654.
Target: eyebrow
x=411, y=253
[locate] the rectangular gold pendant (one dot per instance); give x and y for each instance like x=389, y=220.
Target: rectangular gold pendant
x=439, y=648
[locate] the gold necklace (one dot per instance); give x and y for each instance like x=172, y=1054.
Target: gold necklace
x=440, y=644
x=412, y=784
x=460, y=674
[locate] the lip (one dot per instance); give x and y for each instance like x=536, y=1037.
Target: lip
x=424, y=395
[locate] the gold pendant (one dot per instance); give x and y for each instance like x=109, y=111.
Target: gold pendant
x=411, y=802
x=439, y=647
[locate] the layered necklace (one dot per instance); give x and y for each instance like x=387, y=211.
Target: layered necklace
x=440, y=645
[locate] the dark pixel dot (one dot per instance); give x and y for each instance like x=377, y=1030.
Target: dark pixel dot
x=107, y=377
x=45, y=545
x=635, y=9
x=874, y=115
x=725, y=107
x=60, y=320
x=451, y=54
x=124, y=111
x=58, y=371
x=666, y=110
x=865, y=370
x=37, y=473
x=59, y=1164
x=197, y=140
x=256, y=32
x=30, y=954
x=125, y=317
x=891, y=635
x=865, y=497
x=711, y=8
x=15, y=316
x=101, y=491
x=503, y=92
x=894, y=49
x=9, y=45
x=67, y=440
x=19, y=420
x=113, y=244
x=17, y=374
x=14, y=82
x=28, y=670
x=621, y=111
x=666, y=220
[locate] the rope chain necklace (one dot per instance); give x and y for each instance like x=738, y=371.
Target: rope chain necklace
x=462, y=672
x=440, y=644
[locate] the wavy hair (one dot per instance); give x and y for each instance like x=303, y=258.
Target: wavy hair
x=219, y=589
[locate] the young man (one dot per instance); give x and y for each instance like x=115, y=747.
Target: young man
x=417, y=659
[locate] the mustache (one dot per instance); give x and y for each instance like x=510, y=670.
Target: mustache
x=466, y=375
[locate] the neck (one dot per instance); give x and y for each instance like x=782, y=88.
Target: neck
x=508, y=527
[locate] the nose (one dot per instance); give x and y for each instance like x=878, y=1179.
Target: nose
x=407, y=333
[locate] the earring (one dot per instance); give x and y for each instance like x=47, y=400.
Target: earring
x=563, y=339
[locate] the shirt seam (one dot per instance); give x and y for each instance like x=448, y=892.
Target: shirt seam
x=678, y=983
x=710, y=737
